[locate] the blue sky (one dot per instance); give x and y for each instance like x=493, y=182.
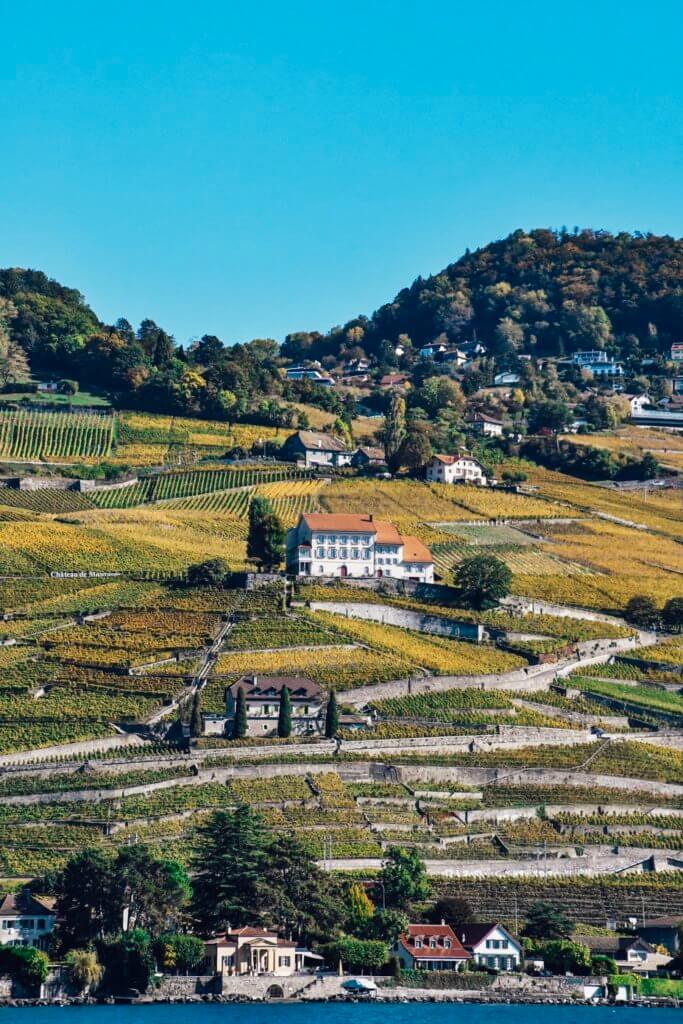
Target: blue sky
x=253, y=169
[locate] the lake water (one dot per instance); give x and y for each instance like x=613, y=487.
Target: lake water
x=334, y=1013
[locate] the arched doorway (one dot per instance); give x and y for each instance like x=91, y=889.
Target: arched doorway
x=380, y=573
x=275, y=992
x=343, y=571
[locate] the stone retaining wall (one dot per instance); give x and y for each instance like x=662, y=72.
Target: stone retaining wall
x=391, y=616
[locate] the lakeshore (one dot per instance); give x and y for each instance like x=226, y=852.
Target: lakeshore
x=354, y=1013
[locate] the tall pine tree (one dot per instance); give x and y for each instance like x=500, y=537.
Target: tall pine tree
x=230, y=871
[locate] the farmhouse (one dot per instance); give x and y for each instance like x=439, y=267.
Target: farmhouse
x=365, y=457
x=430, y=947
x=254, y=951
x=340, y=544
x=491, y=945
x=262, y=697
x=452, y=469
x=315, y=448
x=26, y=920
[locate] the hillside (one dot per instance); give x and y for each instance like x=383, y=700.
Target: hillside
x=544, y=292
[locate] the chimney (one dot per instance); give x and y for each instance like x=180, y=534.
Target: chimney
x=443, y=921
x=371, y=517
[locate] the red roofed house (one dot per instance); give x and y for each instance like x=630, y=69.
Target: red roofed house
x=254, y=951
x=344, y=544
x=430, y=947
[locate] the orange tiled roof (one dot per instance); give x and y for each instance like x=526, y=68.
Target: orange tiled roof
x=340, y=522
x=415, y=551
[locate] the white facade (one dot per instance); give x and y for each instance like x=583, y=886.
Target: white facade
x=25, y=921
x=496, y=949
x=506, y=378
x=356, y=547
x=452, y=469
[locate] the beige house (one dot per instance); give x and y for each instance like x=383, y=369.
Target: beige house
x=456, y=469
x=262, y=696
x=254, y=951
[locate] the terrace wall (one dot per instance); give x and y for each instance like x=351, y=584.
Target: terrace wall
x=391, y=616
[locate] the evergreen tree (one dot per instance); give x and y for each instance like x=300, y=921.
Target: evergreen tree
x=239, y=726
x=331, y=716
x=196, y=721
x=230, y=871
x=266, y=536
x=284, y=718
x=394, y=430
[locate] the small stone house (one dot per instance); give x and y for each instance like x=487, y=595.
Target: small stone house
x=430, y=947
x=365, y=457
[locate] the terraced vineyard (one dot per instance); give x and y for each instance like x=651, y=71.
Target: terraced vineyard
x=48, y=436
x=470, y=752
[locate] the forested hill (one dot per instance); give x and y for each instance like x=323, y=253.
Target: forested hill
x=544, y=292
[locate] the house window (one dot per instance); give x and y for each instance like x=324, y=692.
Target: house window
x=29, y=923
x=354, y=552
x=418, y=943
x=332, y=553
x=446, y=943
x=284, y=961
x=432, y=943
x=343, y=552
x=41, y=923
x=320, y=552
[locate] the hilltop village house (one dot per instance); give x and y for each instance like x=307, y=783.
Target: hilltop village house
x=430, y=947
x=262, y=696
x=453, y=469
x=341, y=544
x=314, y=448
x=254, y=951
x=26, y=920
x=485, y=426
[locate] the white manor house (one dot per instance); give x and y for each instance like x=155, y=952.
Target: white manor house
x=355, y=546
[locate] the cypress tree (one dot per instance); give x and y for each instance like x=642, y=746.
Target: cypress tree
x=266, y=536
x=196, y=721
x=331, y=716
x=239, y=727
x=284, y=718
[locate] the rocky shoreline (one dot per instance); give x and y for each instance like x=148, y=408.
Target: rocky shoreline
x=386, y=996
